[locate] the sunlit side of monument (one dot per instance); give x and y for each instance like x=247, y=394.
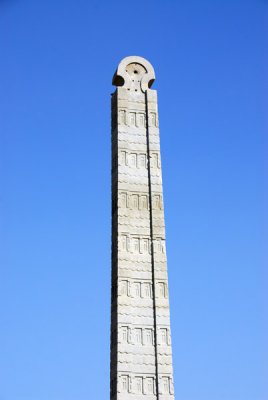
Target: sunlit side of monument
x=141, y=355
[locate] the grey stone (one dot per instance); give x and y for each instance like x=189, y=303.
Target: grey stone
x=141, y=355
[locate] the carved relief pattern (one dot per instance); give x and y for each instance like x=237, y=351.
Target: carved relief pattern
x=139, y=201
x=136, y=119
x=143, y=336
x=136, y=244
x=144, y=384
x=139, y=298
x=135, y=288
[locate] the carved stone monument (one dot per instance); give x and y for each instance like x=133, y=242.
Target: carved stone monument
x=141, y=356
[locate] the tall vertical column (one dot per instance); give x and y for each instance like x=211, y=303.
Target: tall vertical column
x=141, y=356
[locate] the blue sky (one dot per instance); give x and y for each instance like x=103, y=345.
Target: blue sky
x=57, y=62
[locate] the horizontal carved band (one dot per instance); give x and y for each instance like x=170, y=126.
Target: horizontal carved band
x=141, y=289
x=137, y=201
x=142, y=384
x=136, y=119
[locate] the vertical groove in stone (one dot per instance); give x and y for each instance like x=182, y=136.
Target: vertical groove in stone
x=152, y=241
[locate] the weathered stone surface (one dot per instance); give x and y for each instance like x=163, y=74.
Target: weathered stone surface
x=141, y=356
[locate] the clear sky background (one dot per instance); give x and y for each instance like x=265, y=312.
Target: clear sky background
x=56, y=65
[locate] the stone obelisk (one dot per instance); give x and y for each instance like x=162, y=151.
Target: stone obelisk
x=141, y=356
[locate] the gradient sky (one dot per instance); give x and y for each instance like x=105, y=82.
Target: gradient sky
x=56, y=65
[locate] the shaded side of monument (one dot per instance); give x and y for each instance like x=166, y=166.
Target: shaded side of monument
x=141, y=354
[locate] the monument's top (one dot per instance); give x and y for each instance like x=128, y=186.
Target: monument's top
x=134, y=73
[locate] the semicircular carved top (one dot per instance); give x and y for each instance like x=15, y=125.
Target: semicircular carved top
x=135, y=74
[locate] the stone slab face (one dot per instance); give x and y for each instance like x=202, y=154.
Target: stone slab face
x=141, y=356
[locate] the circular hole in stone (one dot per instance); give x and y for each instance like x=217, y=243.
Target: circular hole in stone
x=135, y=71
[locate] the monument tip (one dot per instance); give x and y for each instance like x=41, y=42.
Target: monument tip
x=134, y=73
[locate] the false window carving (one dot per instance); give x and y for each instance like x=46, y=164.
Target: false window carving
x=124, y=242
x=156, y=202
x=135, y=201
x=149, y=337
x=133, y=160
x=139, y=244
x=139, y=385
x=147, y=290
x=125, y=383
x=143, y=202
x=137, y=289
x=136, y=245
x=163, y=336
x=123, y=200
x=155, y=160
x=145, y=245
x=152, y=119
x=158, y=246
x=128, y=244
x=162, y=289
x=150, y=385
x=122, y=158
x=138, y=335
x=141, y=119
x=142, y=160
x=132, y=119
x=124, y=334
x=124, y=288
x=122, y=117
x=165, y=385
